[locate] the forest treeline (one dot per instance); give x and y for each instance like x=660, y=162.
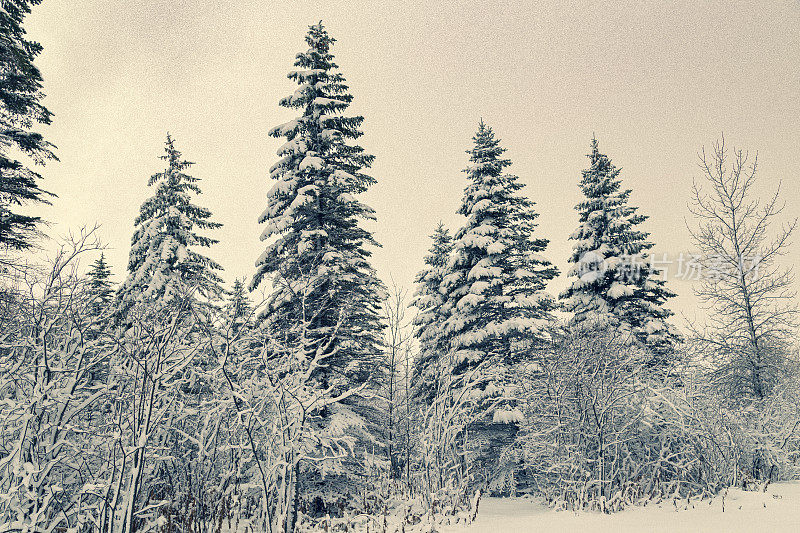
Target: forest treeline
x=312, y=397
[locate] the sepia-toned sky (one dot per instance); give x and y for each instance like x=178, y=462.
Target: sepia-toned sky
x=653, y=80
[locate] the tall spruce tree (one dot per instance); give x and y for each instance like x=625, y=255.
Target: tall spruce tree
x=20, y=108
x=495, y=300
x=428, y=299
x=496, y=303
x=163, y=263
x=317, y=256
x=611, y=278
x=101, y=287
x=239, y=308
x=496, y=277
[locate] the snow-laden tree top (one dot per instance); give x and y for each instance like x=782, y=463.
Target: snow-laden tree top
x=497, y=273
x=163, y=262
x=312, y=205
x=611, y=277
x=312, y=224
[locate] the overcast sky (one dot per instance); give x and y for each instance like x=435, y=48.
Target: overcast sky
x=655, y=81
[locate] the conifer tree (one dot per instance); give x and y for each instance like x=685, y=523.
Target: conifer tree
x=496, y=278
x=313, y=217
x=100, y=286
x=611, y=279
x=496, y=302
x=101, y=297
x=317, y=256
x=239, y=305
x=428, y=300
x=20, y=108
x=164, y=263
x=168, y=278
x=496, y=306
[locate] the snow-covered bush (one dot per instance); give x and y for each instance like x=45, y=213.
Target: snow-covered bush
x=94, y=418
x=51, y=396
x=603, y=429
x=753, y=442
x=397, y=514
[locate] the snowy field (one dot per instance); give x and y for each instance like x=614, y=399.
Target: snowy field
x=776, y=510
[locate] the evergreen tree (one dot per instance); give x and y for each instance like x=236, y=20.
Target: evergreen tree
x=101, y=296
x=428, y=300
x=168, y=278
x=164, y=263
x=20, y=108
x=496, y=278
x=239, y=306
x=100, y=286
x=317, y=257
x=496, y=303
x=611, y=278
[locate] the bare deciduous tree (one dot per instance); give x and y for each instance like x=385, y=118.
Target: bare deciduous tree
x=396, y=383
x=47, y=357
x=748, y=292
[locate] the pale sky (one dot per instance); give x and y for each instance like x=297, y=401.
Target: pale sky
x=654, y=80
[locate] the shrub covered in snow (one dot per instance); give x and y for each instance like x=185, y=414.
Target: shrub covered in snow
x=604, y=430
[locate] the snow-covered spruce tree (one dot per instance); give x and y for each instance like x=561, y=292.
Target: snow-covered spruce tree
x=100, y=291
x=164, y=299
x=496, y=300
x=239, y=307
x=164, y=264
x=611, y=279
x=317, y=256
x=100, y=286
x=20, y=108
x=428, y=300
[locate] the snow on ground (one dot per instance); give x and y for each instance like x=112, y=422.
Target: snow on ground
x=774, y=511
